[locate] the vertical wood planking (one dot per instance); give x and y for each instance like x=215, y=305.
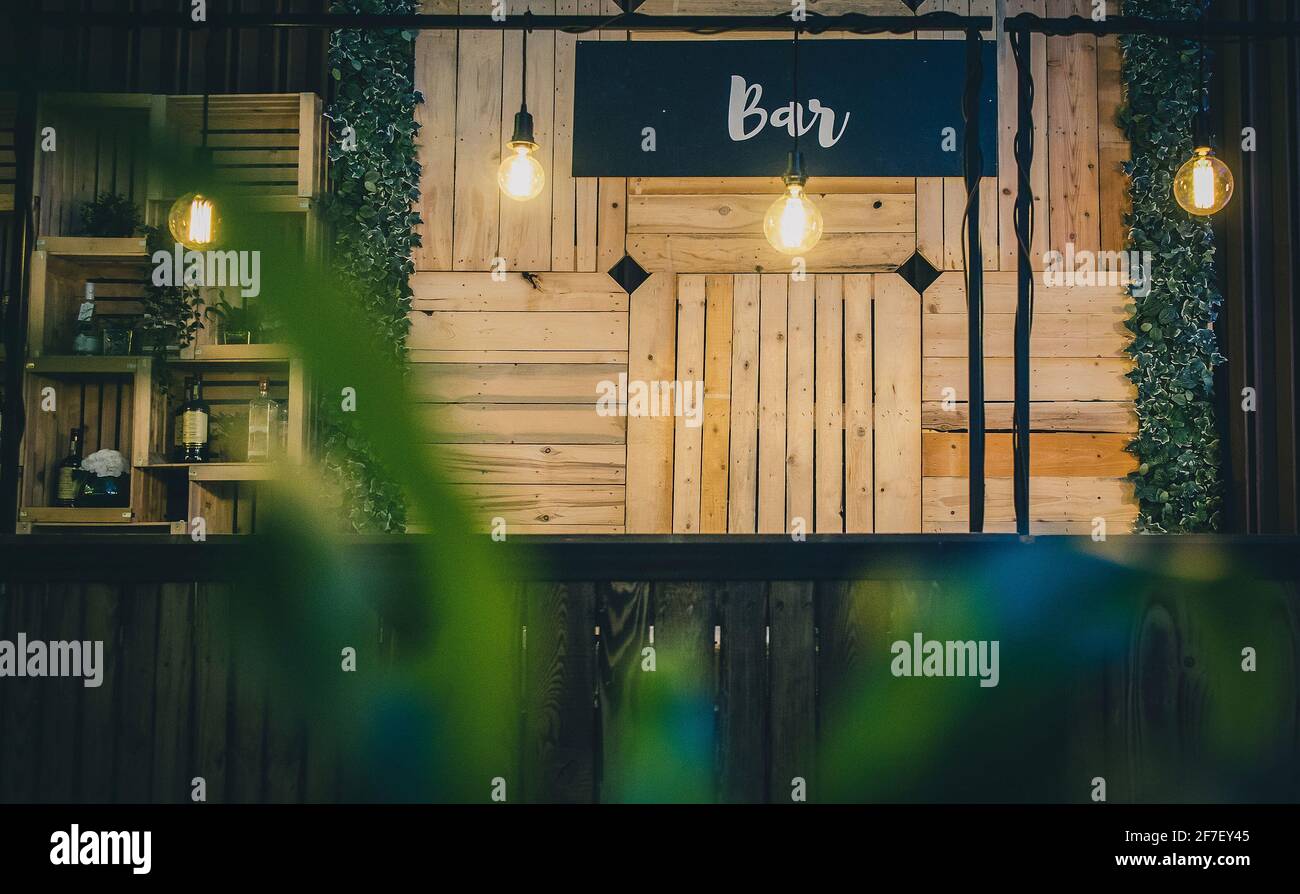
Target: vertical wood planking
x=771, y=403
x=802, y=322
x=172, y=682
x=135, y=696
x=526, y=226
x=479, y=141
x=858, y=424
x=742, y=484
x=558, y=758
x=651, y=357
x=247, y=750
x=793, y=689
x=623, y=616
x=1073, y=187
x=954, y=188
x=1008, y=177
x=897, y=406
x=742, y=692
x=211, y=687
x=1113, y=148
x=611, y=212
x=686, y=684
x=716, y=440
x=586, y=189
x=688, y=432
x=830, y=404
x=101, y=610
x=435, y=77
x=563, y=185
x=60, y=698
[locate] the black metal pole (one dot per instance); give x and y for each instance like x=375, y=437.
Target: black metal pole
x=973, y=164
x=1024, y=211
x=15, y=316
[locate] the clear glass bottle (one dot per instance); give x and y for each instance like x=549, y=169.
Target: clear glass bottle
x=87, y=340
x=263, y=423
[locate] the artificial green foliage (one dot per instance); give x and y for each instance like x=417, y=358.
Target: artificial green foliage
x=375, y=179
x=1178, y=481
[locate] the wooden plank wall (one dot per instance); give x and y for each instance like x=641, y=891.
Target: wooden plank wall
x=753, y=686
x=824, y=398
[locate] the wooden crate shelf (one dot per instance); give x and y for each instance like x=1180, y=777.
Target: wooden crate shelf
x=269, y=151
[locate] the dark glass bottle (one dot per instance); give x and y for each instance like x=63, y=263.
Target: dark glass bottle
x=195, y=415
x=67, y=474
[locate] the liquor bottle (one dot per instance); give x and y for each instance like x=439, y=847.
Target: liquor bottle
x=263, y=422
x=195, y=415
x=87, y=340
x=67, y=475
x=178, y=421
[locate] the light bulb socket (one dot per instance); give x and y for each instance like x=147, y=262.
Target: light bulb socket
x=794, y=170
x=523, y=127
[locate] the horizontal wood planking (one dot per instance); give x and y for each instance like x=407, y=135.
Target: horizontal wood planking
x=417, y=356
x=1050, y=378
x=848, y=213
x=519, y=424
x=552, y=383
x=1064, y=415
x=766, y=186
x=509, y=330
x=1053, y=335
x=532, y=463
x=1059, y=454
x=719, y=253
x=947, y=295
x=1050, y=499
x=546, y=504
x=517, y=292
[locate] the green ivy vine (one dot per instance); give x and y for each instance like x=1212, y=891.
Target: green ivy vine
x=375, y=177
x=1178, y=482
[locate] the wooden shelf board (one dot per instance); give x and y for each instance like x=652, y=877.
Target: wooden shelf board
x=94, y=247
x=121, y=365
x=232, y=471
x=170, y=527
x=65, y=515
x=239, y=354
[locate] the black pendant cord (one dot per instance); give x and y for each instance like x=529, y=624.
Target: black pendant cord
x=972, y=167
x=794, y=109
x=1023, y=216
x=523, y=96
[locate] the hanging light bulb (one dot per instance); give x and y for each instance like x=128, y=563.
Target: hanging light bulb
x=793, y=224
x=521, y=176
x=1203, y=185
x=194, y=222
x=193, y=219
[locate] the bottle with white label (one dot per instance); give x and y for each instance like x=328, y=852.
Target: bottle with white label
x=195, y=415
x=87, y=340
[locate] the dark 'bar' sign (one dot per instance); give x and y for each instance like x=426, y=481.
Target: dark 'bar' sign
x=866, y=108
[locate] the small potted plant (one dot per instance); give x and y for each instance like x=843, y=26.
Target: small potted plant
x=237, y=324
x=110, y=215
x=172, y=314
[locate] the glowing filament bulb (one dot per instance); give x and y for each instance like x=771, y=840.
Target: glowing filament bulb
x=521, y=176
x=200, y=220
x=793, y=224
x=1203, y=185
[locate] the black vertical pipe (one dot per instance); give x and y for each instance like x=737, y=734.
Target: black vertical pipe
x=22, y=234
x=1021, y=42
x=973, y=164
